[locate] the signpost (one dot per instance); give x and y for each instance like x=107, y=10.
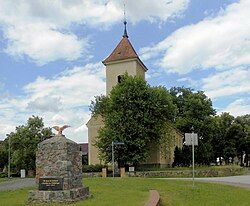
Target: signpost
x=113, y=155
x=9, y=160
x=191, y=139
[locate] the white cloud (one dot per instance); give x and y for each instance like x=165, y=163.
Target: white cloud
x=43, y=44
x=227, y=83
x=46, y=103
x=63, y=99
x=75, y=87
x=192, y=83
x=153, y=10
x=238, y=107
x=220, y=41
x=41, y=29
x=5, y=129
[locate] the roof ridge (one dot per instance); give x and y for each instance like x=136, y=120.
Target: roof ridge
x=124, y=50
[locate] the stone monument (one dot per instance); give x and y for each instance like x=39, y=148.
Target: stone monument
x=58, y=172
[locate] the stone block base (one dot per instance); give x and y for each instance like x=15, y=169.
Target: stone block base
x=72, y=195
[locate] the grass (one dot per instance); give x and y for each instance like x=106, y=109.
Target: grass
x=135, y=191
x=6, y=179
x=3, y=179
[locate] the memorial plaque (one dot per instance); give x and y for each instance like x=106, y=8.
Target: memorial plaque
x=50, y=183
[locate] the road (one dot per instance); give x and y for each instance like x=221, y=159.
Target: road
x=240, y=181
x=17, y=183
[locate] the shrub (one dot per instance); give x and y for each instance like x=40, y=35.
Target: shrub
x=3, y=175
x=92, y=168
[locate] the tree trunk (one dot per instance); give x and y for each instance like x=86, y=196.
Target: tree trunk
x=241, y=159
x=247, y=159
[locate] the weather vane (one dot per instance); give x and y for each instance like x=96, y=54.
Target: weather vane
x=125, y=20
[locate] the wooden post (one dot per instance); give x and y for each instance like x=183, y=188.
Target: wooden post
x=104, y=172
x=122, y=172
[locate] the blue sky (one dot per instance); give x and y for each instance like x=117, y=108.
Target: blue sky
x=51, y=53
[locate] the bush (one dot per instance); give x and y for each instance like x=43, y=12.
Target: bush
x=16, y=174
x=92, y=168
x=3, y=175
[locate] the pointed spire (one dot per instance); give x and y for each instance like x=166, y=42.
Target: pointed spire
x=125, y=29
x=125, y=34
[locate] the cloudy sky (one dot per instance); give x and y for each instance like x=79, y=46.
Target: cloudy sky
x=51, y=53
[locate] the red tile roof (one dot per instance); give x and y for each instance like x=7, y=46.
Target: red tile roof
x=124, y=50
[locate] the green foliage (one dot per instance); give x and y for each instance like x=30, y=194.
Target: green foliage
x=85, y=159
x=24, y=142
x=3, y=175
x=230, y=138
x=136, y=114
x=182, y=156
x=219, y=136
x=177, y=157
x=92, y=168
x=3, y=158
x=194, y=110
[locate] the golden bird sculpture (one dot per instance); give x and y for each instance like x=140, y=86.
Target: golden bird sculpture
x=60, y=129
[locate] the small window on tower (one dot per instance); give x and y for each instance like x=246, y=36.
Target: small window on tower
x=120, y=78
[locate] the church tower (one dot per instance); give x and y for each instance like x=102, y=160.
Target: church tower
x=123, y=59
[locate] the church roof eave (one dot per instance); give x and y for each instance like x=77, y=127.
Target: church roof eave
x=125, y=60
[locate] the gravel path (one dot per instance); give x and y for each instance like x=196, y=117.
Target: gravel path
x=240, y=181
x=17, y=183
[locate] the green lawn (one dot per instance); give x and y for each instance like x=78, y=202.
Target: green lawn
x=135, y=191
x=2, y=179
x=5, y=179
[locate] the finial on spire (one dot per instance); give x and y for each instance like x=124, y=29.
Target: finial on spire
x=125, y=22
x=125, y=29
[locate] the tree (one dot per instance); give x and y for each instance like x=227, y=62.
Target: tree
x=241, y=129
x=24, y=142
x=195, y=110
x=3, y=158
x=136, y=114
x=223, y=139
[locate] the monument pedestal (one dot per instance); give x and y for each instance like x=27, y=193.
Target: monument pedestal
x=58, y=172
x=72, y=195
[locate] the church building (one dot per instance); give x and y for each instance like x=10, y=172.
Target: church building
x=125, y=59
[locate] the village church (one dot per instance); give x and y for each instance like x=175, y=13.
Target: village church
x=125, y=59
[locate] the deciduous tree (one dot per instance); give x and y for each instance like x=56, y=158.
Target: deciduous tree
x=136, y=114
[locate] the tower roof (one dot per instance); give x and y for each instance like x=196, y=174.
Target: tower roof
x=124, y=50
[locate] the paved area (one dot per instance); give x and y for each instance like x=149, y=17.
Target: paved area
x=240, y=181
x=17, y=183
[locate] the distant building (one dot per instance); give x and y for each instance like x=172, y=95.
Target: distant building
x=125, y=59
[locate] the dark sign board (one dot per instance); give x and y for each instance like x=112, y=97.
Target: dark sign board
x=50, y=183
